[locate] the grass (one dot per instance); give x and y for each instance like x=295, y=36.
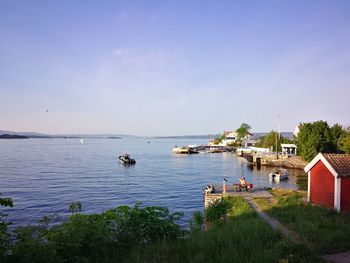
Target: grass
x=326, y=230
x=244, y=237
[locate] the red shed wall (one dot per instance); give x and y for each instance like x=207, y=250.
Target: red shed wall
x=322, y=186
x=345, y=194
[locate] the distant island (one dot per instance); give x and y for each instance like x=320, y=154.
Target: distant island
x=13, y=136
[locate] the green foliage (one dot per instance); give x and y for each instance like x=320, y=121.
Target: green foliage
x=75, y=207
x=325, y=229
x=243, y=131
x=269, y=140
x=126, y=234
x=197, y=221
x=244, y=237
x=4, y=236
x=102, y=237
x=6, y=202
x=218, y=140
x=318, y=137
x=344, y=142
x=217, y=210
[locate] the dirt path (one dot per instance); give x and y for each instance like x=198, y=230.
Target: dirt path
x=334, y=258
x=277, y=225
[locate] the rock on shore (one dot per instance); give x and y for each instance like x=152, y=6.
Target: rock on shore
x=294, y=162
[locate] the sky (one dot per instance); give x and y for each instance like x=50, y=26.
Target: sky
x=172, y=67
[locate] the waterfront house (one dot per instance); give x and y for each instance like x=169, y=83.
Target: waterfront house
x=230, y=137
x=329, y=181
x=289, y=148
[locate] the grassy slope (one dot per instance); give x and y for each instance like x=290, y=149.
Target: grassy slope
x=326, y=230
x=243, y=238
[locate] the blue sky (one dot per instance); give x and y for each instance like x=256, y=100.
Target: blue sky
x=172, y=67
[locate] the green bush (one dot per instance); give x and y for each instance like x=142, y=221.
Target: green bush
x=217, y=210
x=4, y=236
x=197, y=221
x=96, y=237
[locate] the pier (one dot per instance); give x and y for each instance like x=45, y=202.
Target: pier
x=230, y=191
x=280, y=160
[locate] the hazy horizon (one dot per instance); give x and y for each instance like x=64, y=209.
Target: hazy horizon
x=154, y=68
x=119, y=134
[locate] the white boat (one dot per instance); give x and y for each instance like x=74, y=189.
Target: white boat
x=82, y=141
x=209, y=189
x=279, y=174
x=184, y=150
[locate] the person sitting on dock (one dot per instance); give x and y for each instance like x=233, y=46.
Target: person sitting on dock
x=243, y=183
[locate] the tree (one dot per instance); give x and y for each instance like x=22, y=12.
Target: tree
x=243, y=131
x=344, y=142
x=336, y=132
x=269, y=140
x=318, y=137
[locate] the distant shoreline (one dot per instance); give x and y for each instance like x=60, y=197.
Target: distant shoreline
x=11, y=136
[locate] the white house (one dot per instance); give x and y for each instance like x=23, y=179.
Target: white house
x=229, y=138
x=289, y=148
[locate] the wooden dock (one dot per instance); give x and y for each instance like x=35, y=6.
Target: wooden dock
x=256, y=193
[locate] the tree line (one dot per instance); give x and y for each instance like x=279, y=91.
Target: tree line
x=318, y=137
x=311, y=139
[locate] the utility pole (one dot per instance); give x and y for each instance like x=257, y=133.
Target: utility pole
x=276, y=147
x=279, y=135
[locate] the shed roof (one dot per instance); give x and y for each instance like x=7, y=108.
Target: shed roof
x=337, y=164
x=288, y=145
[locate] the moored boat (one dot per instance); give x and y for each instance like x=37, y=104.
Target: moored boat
x=209, y=189
x=184, y=150
x=279, y=174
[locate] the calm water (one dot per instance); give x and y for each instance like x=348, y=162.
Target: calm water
x=44, y=175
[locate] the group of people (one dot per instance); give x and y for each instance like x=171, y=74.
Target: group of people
x=242, y=184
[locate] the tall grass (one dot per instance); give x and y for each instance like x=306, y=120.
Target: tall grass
x=150, y=234
x=242, y=238
x=325, y=229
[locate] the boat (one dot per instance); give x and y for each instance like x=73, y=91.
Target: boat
x=279, y=174
x=125, y=159
x=82, y=141
x=209, y=189
x=184, y=150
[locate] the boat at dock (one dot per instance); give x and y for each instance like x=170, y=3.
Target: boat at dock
x=184, y=150
x=280, y=174
x=189, y=149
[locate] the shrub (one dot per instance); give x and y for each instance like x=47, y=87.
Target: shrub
x=4, y=236
x=217, y=210
x=95, y=237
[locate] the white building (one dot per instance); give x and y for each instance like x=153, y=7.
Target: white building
x=289, y=148
x=229, y=138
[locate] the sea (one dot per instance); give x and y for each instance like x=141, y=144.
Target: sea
x=43, y=176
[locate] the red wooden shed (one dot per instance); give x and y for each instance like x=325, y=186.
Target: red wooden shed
x=329, y=181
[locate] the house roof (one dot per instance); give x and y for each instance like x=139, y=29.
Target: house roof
x=288, y=145
x=337, y=164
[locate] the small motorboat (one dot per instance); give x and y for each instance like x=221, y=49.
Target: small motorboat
x=280, y=174
x=126, y=159
x=209, y=189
